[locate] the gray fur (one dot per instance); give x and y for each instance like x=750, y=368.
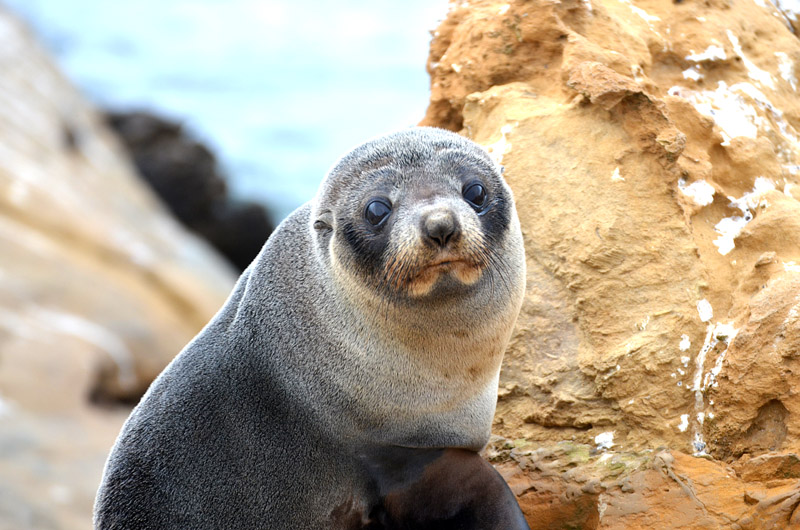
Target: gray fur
x=255, y=424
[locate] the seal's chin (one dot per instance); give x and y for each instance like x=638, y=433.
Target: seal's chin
x=464, y=271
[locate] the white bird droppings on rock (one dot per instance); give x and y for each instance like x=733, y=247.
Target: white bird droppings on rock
x=705, y=310
x=712, y=53
x=701, y=192
x=604, y=440
x=684, y=424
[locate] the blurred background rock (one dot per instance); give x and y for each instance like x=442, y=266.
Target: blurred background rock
x=185, y=175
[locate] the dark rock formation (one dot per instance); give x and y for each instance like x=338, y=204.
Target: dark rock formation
x=185, y=175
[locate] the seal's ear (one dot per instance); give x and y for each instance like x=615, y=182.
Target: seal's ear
x=324, y=221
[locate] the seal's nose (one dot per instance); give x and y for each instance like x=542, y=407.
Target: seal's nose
x=440, y=227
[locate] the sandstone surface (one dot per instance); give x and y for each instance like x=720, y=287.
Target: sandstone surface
x=568, y=485
x=99, y=289
x=653, y=151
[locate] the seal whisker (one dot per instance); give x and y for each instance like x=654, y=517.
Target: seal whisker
x=498, y=265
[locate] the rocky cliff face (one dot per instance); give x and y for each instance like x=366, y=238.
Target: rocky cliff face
x=99, y=289
x=653, y=151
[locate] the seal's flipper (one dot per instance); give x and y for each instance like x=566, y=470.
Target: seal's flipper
x=440, y=489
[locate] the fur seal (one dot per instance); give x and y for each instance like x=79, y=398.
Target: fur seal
x=351, y=377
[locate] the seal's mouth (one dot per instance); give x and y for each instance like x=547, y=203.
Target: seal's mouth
x=464, y=270
x=415, y=271
x=447, y=263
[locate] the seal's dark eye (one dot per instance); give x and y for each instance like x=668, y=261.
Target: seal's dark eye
x=475, y=194
x=377, y=211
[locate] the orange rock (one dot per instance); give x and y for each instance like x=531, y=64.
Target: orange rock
x=571, y=486
x=652, y=151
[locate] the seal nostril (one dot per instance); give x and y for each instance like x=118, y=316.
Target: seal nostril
x=440, y=228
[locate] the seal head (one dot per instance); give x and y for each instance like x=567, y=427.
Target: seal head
x=422, y=213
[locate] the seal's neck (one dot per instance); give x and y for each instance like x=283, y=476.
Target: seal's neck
x=461, y=335
x=416, y=375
